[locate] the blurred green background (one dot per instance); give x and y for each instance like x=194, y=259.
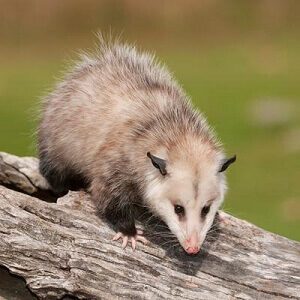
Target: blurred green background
x=238, y=60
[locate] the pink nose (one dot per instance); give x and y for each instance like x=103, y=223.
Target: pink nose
x=192, y=244
x=192, y=250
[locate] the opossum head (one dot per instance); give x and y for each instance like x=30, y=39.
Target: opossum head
x=187, y=194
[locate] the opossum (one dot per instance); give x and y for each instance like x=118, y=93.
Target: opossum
x=122, y=127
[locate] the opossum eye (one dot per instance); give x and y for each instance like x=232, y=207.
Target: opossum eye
x=205, y=210
x=179, y=210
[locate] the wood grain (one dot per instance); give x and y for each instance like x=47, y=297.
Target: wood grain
x=64, y=249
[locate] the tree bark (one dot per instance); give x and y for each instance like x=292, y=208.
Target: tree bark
x=63, y=248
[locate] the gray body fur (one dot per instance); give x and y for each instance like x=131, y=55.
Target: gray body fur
x=113, y=108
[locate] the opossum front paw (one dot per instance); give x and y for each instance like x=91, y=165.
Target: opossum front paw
x=132, y=239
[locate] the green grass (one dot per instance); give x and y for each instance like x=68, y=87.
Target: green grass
x=223, y=83
x=21, y=86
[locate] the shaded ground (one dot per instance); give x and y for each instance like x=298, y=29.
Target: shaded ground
x=13, y=287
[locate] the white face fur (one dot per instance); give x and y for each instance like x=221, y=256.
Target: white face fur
x=187, y=199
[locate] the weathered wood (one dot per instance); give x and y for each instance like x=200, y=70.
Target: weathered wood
x=63, y=248
x=22, y=173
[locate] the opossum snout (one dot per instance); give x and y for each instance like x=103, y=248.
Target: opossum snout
x=192, y=244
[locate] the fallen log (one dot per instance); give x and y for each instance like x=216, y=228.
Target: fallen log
x=22, y=174
x=64, y=249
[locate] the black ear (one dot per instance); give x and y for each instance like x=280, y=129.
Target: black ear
x=227, y=162
x=158, y=163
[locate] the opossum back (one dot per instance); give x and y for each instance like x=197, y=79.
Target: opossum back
x=99, y=98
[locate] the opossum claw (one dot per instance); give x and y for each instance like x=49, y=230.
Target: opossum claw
x=117, y=236
x=142, y=239
x=125, y=241
x=133, y=243
x=133, y=239
x=124, y=238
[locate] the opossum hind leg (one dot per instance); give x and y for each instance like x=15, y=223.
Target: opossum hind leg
x=55, y=177
x=62, y=179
